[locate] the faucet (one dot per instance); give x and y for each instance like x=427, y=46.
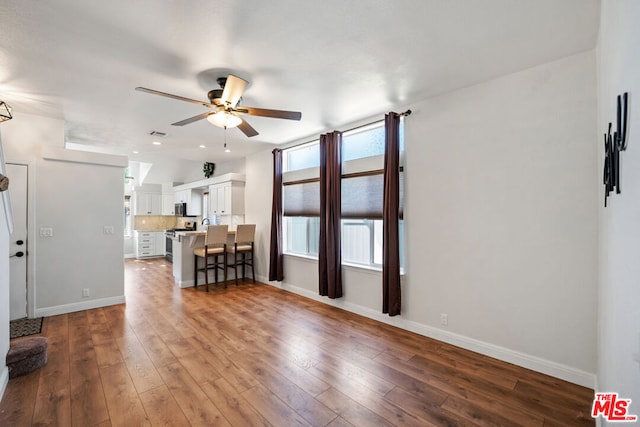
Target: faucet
x=205, y=219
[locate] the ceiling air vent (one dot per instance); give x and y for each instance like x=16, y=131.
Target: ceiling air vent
x=157, y=133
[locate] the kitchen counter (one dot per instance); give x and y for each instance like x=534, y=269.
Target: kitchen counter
x=183, y=244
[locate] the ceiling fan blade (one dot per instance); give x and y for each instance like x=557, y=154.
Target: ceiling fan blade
x=192, y=119
x=247, y=129
x=275, y=114
x=179, y=98
x=233, y=89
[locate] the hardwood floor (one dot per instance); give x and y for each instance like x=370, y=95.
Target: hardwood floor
x=256, y=355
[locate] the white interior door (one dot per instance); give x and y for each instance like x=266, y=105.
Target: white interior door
x=18, y=246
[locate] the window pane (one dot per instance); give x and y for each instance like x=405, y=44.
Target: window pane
x=377, y=242
x=127, y=216
x=301, y=235
x=366, y=143
x=401, y=241
x=297, y=235
x=356, y=241
x=305, y=156
x=313, y=235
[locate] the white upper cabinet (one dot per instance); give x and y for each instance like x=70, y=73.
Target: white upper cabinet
x=147, y=203
x=168, y=204
x=226, y=198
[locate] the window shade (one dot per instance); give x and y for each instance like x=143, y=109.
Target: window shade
x=361, y=197
x=301, y=199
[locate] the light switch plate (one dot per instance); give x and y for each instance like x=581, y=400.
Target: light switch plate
x=46, y=232
x=108, y=229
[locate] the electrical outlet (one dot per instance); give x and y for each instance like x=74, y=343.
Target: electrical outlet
x=444, y=319
x=85, y=292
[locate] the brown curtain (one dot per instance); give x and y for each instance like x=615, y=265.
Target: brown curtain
x=391, y=297
x=329, y=250
x=275, y=257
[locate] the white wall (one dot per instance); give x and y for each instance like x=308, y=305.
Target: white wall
x=76, y=194
x=171, y=169
x=500, y=219
x=4, y=296
x=619, y=284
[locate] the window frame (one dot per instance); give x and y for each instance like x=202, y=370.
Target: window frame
x=365, y=165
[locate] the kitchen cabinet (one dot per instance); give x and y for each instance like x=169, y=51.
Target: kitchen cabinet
x=149, y=244
x=193, y=199
x=168, y=204
x=226, y=198
x=147, y=203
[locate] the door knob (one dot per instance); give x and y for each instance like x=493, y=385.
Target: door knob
x=18, y=254
x=20, y=242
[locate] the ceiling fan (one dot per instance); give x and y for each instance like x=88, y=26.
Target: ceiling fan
x=225, y=111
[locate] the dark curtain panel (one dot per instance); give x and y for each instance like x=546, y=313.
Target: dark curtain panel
x=329, y=250
x=275, y=257
x=391, y=297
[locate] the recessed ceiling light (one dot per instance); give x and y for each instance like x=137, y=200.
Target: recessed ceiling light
x=203, y=146
x=156, y=143
x=135, y=152
x=226, y=150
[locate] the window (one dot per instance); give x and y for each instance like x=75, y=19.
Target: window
x=127, y=216
x=362, y=194
x=302, y=157
x=301, y=235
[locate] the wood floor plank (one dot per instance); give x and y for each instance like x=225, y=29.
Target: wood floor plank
x=257, y=355
x=193, y=402
x=88, y=405
x=339, y=422
x=17, y=406
x=162, y=409
x=431, y=411
x=365, y=397
x=239, y=379
x=156, y=348
x=350, y=410
x=283, y=359
x=485, y=416
x=296, y=398
x=123, y=402
x=107, y=353
x=140, y=367
x=233, y=406
x=53, y=401
x=272, y=408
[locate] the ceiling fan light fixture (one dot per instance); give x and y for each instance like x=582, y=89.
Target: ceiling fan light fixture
x=224, y=119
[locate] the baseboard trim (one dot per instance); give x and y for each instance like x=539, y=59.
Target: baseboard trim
x=4, y=381
x=79, y=306
x=534, y=363
x=184, y=284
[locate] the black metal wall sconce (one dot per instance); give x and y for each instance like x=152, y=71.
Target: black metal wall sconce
x=613, y=145
x=5, y=111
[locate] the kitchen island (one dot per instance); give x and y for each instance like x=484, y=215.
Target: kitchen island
x=184, y=243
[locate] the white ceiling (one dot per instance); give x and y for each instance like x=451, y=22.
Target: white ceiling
x=336, y=61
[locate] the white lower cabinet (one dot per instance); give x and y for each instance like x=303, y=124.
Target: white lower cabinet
x=149, y=244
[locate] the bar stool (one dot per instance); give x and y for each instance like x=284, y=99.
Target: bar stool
x=243, y=245
x=215, y=245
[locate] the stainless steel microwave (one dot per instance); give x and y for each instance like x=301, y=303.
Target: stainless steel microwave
x=180, y=209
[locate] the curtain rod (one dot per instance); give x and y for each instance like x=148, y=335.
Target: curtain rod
x=405, y=114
